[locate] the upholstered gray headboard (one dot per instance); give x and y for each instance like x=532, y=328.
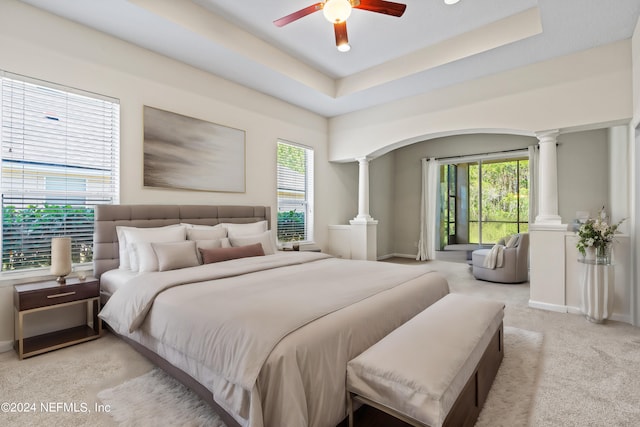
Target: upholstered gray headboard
x=107, y=217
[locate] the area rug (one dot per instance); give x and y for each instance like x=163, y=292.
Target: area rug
x=157, y=399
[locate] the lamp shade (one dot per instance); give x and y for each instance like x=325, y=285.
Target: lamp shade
x=336, y=11
x=60, y=257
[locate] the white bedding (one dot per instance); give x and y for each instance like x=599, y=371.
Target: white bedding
x=112, y=280
x=272, y=345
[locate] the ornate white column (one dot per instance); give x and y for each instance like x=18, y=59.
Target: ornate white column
x=363, y=190
x=547, y=287
x=363, y=226
x=548, y=179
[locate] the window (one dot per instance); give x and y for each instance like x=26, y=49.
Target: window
x=295, y=192
x=487, y=200
x=59, y=158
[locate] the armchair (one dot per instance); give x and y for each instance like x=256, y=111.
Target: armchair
x=515, y=266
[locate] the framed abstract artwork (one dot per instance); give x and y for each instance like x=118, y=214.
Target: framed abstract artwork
x=191, y=154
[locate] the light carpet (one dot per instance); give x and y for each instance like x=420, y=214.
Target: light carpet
x=511, y=395
x=587, y=374
x=157, y=399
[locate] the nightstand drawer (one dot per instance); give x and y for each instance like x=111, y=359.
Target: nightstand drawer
x=58, y=294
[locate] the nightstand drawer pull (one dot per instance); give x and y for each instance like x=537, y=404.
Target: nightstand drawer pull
x=66, y=294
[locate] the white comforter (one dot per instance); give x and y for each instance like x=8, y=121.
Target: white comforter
x=230, y=318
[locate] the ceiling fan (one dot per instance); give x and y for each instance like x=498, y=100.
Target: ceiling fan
x=337, y=12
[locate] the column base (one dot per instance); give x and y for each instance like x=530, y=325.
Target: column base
x=364, y=239
x=548, y=219
x=363, y=219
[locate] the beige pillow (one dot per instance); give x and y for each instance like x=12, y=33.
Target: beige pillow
x=265, y=239
x=211, y=233
x=127, y=236
x=249, y=229
x=174, y=255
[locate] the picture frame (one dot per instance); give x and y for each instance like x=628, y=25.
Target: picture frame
x=187, y=153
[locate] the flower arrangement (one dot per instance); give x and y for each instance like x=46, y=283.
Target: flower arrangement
x=596, y=233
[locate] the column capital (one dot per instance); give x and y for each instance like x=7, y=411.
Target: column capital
x=363, y=159
x=548, y=135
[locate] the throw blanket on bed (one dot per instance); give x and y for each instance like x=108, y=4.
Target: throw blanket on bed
x=249, y=312
x=495, y=258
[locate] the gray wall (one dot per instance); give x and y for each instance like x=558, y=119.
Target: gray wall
x=345, y=187
x=583, y=173
x=395, y=188
x=382, y=186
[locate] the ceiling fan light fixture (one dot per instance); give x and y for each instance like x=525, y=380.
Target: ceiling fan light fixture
x=451, y=1
x=336, y=11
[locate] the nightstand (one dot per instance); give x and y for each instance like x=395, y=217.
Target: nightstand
x=35, y=297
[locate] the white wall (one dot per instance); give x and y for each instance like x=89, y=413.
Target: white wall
x=39, y=45
x=634, y=156
x=592, y=86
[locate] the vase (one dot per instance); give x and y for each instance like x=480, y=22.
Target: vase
x=590, y=253
x=603, y=254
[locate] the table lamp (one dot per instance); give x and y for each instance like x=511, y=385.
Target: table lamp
x=61, y=258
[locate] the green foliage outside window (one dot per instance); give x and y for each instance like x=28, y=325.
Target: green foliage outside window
x=290, y=226
x=27, y=233
x=500, y=204
x=505, y=200
x=292, y=157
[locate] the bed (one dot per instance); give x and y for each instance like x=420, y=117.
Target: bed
x=266, y=339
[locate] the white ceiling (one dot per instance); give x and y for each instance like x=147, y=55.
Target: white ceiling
x=431, y=46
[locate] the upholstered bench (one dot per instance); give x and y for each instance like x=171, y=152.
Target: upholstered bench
x=437, y=368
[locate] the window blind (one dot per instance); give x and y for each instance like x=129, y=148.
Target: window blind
x=295, y=192
x=59, y=158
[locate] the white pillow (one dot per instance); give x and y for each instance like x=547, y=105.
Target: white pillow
x=513, y=241
x=142, y=257
x=174, y=255
x=127, y=236
x=210, y=233
x=201, y=226
x=250, y=229
x=265, y=239
x=211, y=244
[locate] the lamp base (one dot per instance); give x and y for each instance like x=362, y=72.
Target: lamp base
x=62, y=280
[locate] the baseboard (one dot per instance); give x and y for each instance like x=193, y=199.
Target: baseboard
x=411, y=256
x=548, y=307
x=395, y=255
x=574, y=310
x=6, y=346
x=621, y=318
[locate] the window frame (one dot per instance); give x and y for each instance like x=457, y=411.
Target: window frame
x=478, y=161
x=82, y=114
x=307, y=203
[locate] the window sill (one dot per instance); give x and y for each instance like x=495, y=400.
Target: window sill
x=11, y=278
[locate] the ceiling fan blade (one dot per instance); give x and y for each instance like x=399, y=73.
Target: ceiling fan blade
x=382, y=6
x=342, y=40
x=297, y=15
